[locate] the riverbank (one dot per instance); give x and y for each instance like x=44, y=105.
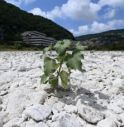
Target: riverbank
x=96, y=98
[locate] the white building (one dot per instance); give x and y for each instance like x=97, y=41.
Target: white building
x=36, y=38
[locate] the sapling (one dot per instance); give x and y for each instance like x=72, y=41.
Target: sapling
x=58, y=68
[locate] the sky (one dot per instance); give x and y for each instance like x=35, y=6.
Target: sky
x=80, y=17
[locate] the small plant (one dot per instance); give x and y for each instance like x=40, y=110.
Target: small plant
x=59, y=68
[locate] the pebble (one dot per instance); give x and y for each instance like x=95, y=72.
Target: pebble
x=38, y=112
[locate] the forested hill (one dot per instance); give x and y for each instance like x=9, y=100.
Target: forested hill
x=14, y=21
x=112, y=40
x=119, y=32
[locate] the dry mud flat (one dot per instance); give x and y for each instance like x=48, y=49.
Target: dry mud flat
x=96, y=98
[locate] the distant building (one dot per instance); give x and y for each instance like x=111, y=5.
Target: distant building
x=36, y=38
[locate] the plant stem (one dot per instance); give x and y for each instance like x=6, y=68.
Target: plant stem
x=58, y=73
x=60, y=68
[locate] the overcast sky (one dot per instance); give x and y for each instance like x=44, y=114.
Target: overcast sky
x=78, y=16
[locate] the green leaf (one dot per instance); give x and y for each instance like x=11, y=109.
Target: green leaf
x=67, y=56
x=59, y=58
x=75, y=61
x=80, y=47
x=62, y=58
x=50, y=66
x=64, y=78
x=44, y=79
x=53, y=81
x=75, y=51
x=47, y=49
x=62, y=46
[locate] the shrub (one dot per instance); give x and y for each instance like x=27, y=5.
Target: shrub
x=58, y=68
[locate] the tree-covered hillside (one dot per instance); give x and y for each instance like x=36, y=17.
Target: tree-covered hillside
x=14, y=21
x=110, y=40
x=119, y=32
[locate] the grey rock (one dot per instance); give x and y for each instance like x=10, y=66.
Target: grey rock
x=57, y=116
x=117, y=104
x=32, y=123
x=58, y=107
x=70, y=108
x=109, y=122
x=89, y=125
x=1, y=108
x=3, y=118
x=1, y=122
x=22, y=69
x=41, y=124
x=89, y=114
x=51, y=101
x=16, y=122
x=29, y=123
x=1, y=100
x=64, y=119
x=118, y=82
x=20, y=98
x=117, y=86
x=122, y=118
x=54, y=124
x=115, y=108
x=3, y=93
x=38, y=112
x=68, y=120
x=7, y=77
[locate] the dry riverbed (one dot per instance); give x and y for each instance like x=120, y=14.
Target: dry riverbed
x=96, y=98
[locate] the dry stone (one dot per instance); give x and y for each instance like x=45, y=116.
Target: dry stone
x=38, y=112
x=89, y=114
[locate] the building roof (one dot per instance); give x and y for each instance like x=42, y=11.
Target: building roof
x=32, y=32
